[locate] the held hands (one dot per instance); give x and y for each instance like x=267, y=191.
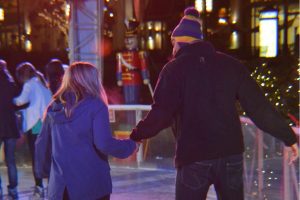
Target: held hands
x=138, y=144
x=137, y=147
x=146, y=81
x=294, y=153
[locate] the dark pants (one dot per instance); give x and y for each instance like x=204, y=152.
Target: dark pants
x=226, y=174
x=31, y=138
x=66, y=196
x=9, y=151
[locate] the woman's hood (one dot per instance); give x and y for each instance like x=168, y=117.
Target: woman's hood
x=57, y=110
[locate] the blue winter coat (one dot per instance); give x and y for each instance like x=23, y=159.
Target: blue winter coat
x=77, y=148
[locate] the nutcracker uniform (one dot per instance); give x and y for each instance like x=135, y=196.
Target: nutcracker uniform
x=131, y=66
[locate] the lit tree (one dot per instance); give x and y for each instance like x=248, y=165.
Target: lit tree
x=279, y=81
x=268, y=82
x=108, y=18
x=56, y=13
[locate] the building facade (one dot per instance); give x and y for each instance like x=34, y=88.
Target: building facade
x=33, y=25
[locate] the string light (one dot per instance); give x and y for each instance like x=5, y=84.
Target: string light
x=263, y=77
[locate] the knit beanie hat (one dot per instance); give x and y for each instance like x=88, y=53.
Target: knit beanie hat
x=189, y=27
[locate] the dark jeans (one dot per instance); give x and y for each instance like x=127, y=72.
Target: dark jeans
x=226, y=174
x=66, y=196
x=9, y=151
x=31, y=138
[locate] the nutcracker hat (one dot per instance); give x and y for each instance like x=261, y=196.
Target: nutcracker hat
x=131, y=27
x=189, y=27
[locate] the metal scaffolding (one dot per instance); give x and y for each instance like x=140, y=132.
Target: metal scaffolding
x=85, y=31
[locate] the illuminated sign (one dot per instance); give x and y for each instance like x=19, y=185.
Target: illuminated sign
x=208, y=3
x=1, y=14
x=268, y=34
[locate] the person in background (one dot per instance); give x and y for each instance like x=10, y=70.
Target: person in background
x=76, y=138
x=36, y=93
x=54, y=72
x=198, y=90
x=9, y=132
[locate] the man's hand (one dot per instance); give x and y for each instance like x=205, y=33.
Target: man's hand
x=146, y=81
x=294, y=153
x=138, y=144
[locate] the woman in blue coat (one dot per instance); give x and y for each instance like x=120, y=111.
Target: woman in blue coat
x=76, y=139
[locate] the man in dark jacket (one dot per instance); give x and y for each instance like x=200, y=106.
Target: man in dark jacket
x=9, y=132
x=198, y=90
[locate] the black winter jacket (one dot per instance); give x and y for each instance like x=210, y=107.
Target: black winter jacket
x=8, y=120
x=199, y=90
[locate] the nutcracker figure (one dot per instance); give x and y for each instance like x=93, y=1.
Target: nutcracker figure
x=132, y=69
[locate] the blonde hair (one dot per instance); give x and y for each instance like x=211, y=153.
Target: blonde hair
x=80, y=79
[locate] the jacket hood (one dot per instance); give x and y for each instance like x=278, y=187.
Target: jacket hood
x=201, y=48
x=56, y=110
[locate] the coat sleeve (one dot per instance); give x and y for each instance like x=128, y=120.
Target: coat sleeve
x=43, y=150
x=23, y=98
x=261, y=112
x=15, y=90
x=103, y=139
x=166, y=102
